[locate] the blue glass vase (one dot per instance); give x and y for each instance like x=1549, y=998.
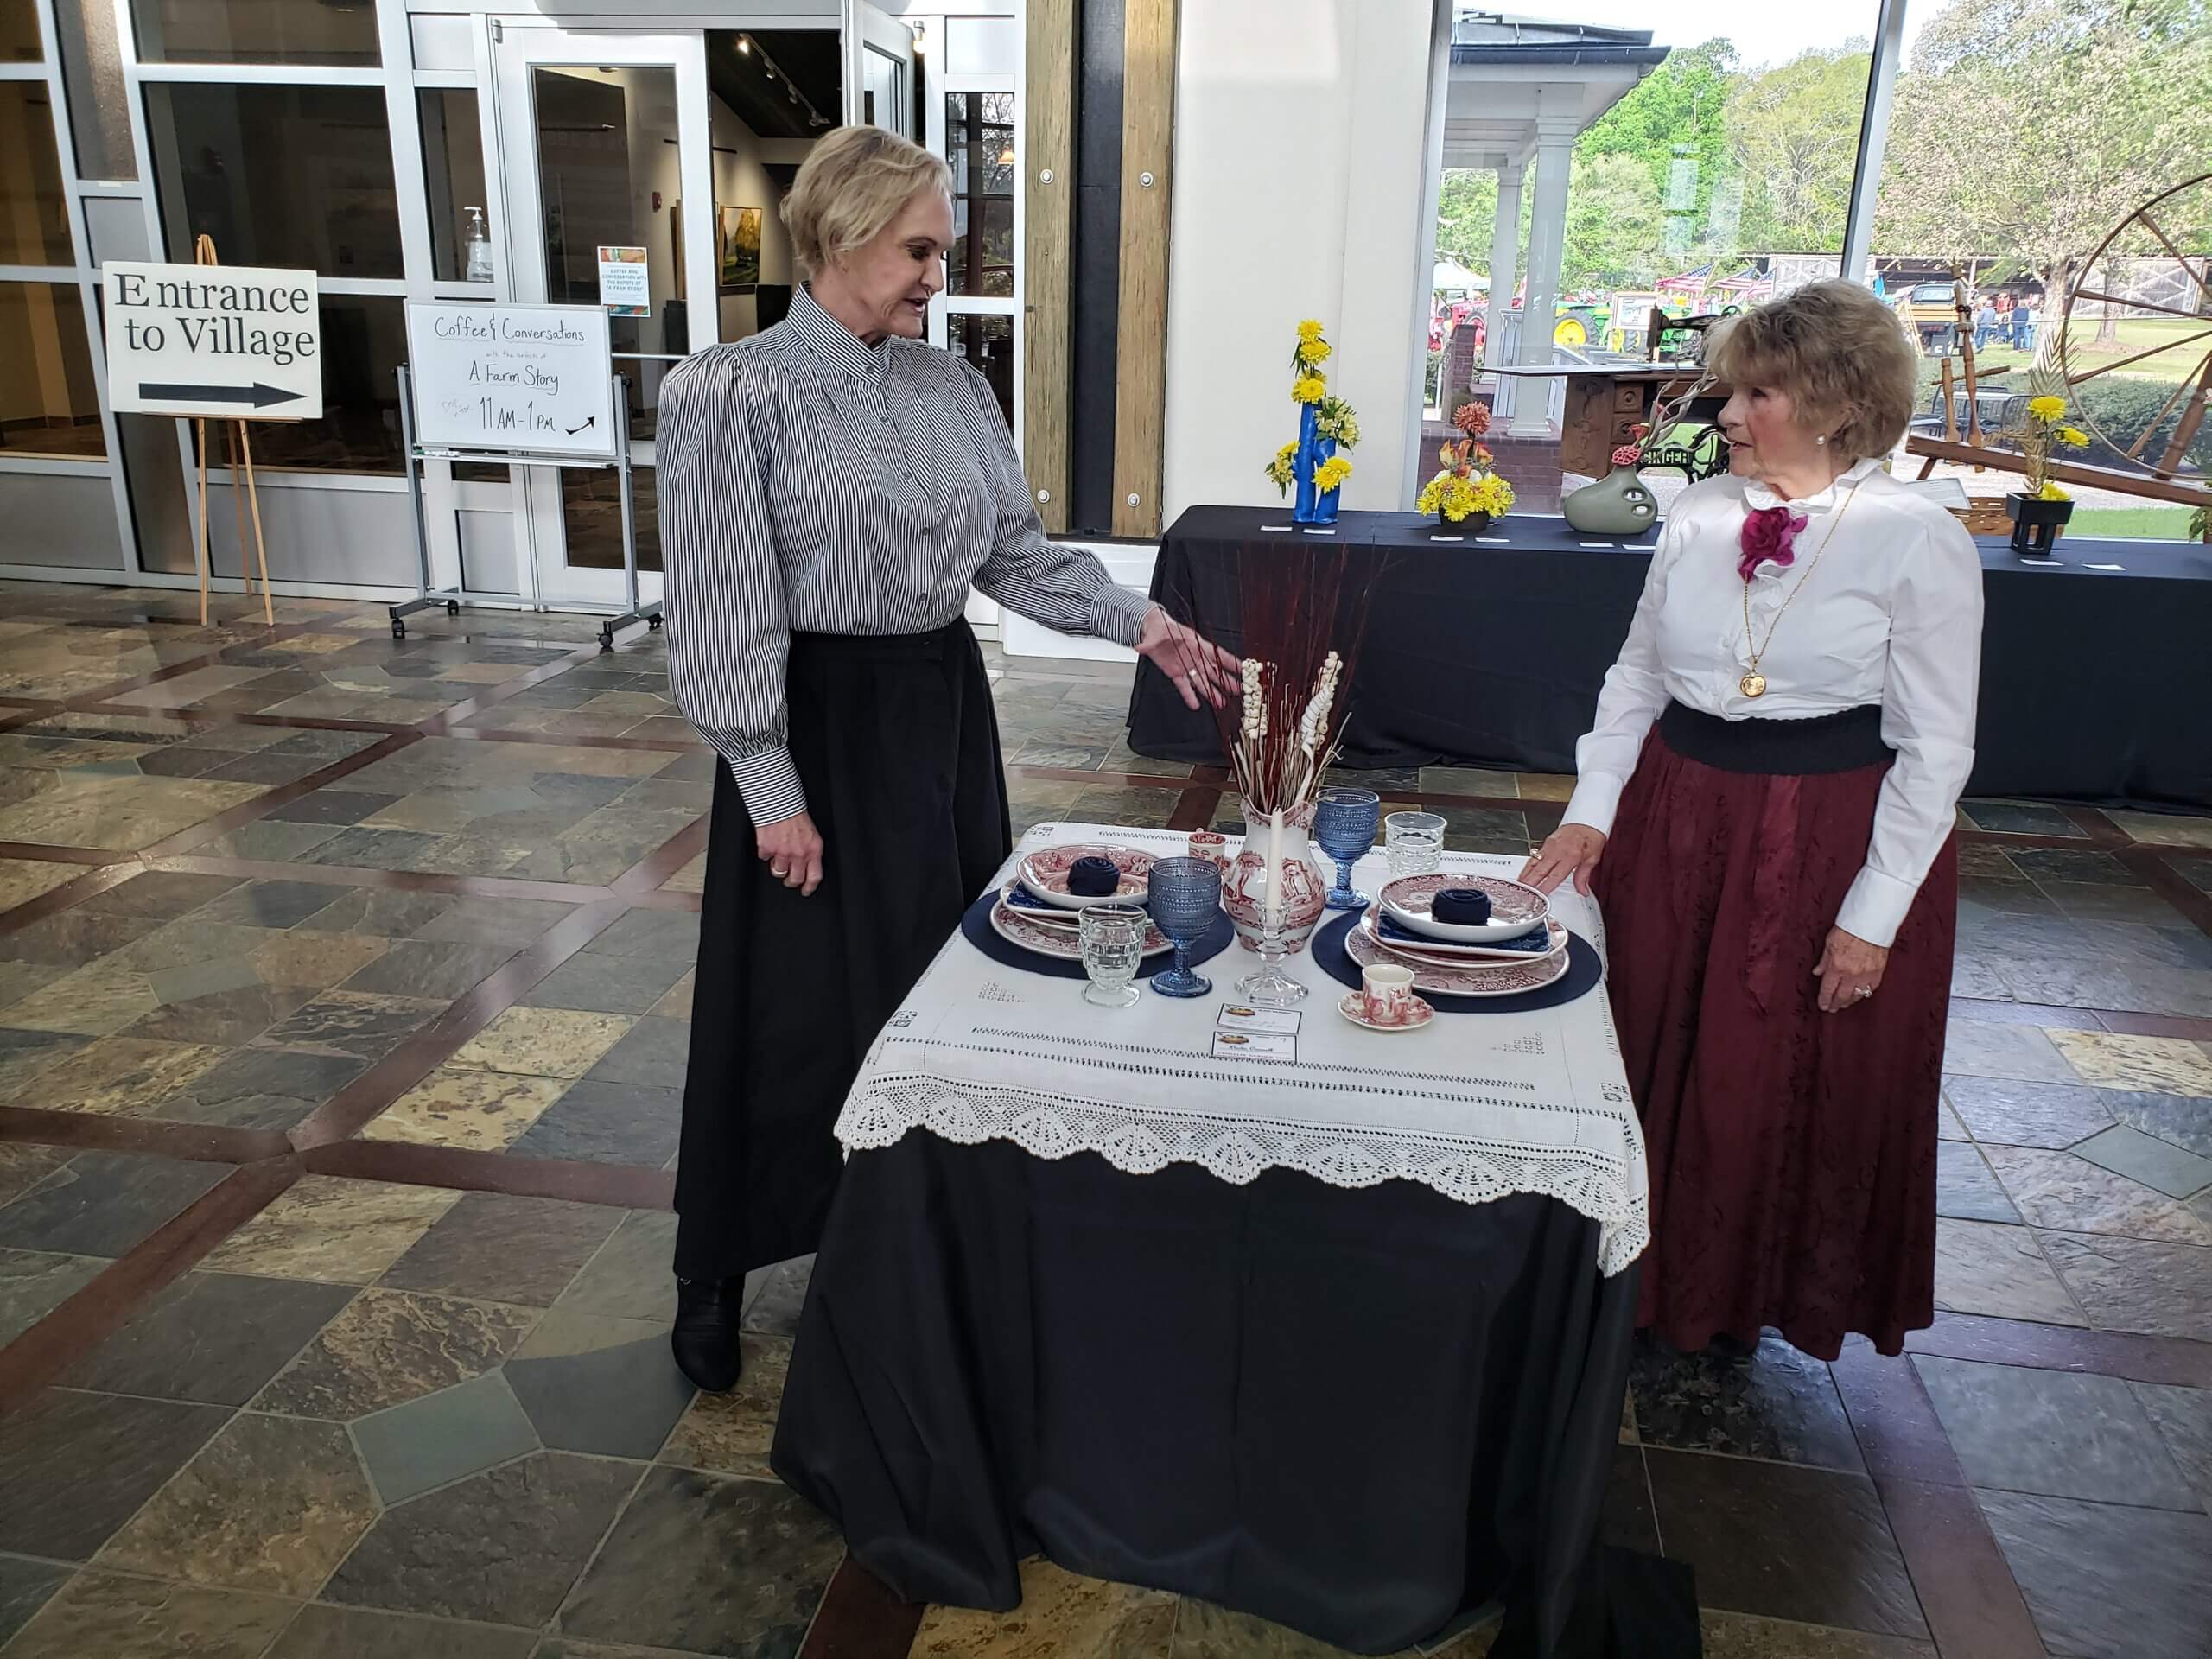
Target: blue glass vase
x=1314, y=506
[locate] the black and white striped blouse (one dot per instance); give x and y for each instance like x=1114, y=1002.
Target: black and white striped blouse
x=811, y=483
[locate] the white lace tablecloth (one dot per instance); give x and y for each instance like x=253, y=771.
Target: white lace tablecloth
x=1476, y=1105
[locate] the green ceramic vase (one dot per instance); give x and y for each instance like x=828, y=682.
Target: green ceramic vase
x=1619, y=504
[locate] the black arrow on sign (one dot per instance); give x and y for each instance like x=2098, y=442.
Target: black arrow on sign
x=258, y=395
x=589, y=420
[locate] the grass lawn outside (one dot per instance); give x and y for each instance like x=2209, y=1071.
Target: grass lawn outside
x=2136, y=334
x=2162, y=523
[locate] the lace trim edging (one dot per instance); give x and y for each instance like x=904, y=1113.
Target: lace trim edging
x=1238, y=1153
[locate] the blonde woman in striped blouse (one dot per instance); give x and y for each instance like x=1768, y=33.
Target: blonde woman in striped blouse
x=830, y=490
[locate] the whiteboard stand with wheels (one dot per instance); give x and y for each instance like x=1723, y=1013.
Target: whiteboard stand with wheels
x=526, y=385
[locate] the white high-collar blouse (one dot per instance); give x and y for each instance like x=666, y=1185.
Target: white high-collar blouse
x=1890, y=615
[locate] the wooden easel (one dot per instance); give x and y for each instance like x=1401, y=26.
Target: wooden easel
x=240, y=445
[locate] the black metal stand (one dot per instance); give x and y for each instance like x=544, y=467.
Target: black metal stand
x=453, y=597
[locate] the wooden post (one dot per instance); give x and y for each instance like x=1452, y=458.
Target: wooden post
x=1950, y=405
x=1048, y=343
x=200, y=427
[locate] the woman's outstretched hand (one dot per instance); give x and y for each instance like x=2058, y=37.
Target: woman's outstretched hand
x=1571, y=849
x=1193, y=665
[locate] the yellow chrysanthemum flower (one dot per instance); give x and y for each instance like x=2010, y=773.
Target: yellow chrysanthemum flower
x=1314, y=351
x=2051, y=492
x=1310, y=389
x=1331, y=474
x=2072, y=436
x=1309, y=331
x=2046, y=408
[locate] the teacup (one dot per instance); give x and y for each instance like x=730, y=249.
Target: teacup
x=1211, y=845
x=1387, y=990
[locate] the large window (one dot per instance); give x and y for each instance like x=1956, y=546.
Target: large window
x=453, y=182
x=1966, y=194
x=277, y=174
x=364, y=343
x=979, y=144
x=257, y=31
x=48, y=403
x=34, y=211
x=19, y=40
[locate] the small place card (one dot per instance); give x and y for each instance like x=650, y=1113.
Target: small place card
x=2104, y=566
x=1276, y=527
x=1439, y=536
x=1235, y=1017
x=1311, y=531
x=1593, y=543
x=2053, y=564
x=1501, y=540
x=1254, y=1046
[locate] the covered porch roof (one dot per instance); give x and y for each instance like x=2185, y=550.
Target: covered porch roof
x=1508, y=70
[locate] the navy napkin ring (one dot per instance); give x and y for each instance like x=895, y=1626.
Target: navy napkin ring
x=1461, y=907
x=1093, y=877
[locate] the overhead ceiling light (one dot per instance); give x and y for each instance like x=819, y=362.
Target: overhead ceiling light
x=744, y=45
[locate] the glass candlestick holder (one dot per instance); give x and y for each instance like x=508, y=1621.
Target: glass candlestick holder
x=1268, y=986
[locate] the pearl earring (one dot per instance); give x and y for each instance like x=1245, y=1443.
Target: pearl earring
x=1820, y=437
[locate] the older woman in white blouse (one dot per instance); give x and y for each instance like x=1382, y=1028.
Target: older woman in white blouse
x=1763, y=810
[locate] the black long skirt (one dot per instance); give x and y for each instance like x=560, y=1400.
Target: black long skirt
x=897, y=744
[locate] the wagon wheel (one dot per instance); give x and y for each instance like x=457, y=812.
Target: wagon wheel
x=2178, y=224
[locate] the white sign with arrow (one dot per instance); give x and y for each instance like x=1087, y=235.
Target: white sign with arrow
x=234, y=342
x=528, y=379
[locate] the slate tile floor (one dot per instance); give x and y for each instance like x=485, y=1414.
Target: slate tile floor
x=344, y=995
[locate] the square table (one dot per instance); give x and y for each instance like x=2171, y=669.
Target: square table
x=1338, y=1339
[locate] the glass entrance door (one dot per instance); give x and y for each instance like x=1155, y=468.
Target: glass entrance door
x=878, y=69
x=603, y=141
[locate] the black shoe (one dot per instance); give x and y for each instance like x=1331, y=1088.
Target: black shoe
x=704, y=1340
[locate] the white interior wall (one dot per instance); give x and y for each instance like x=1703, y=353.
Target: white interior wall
x=741, y=181
x=1299, y=144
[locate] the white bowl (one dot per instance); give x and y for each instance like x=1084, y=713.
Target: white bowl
x=1045, y=875
x=1514, y=907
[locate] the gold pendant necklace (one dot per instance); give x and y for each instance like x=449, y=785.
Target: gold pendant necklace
x=1754, y=684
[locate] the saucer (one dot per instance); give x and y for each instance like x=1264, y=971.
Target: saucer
x=1353, y=1006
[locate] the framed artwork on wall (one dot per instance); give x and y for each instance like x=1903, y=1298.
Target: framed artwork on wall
x=737, y=248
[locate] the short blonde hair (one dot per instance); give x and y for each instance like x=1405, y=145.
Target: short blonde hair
x=856, y=182
x=1838, y=351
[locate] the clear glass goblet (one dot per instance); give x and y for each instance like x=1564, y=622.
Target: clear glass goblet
x=1343, y=823
x=1111, y=937
x=1185, y=896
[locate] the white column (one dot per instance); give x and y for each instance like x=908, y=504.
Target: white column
x=1547, y=247
x=1504, y=258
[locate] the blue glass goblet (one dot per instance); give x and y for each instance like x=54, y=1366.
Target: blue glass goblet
x=1185, y=896
x=1343, y=823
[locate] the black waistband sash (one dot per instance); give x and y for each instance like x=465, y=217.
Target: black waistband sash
x=1840, y=742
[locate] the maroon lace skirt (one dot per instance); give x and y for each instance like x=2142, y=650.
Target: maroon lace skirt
x=1792, y=1152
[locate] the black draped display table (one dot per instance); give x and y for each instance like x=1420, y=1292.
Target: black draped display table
x=1489, y=652
x=1363, y=1413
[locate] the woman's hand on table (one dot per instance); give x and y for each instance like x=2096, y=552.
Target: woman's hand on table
x=792, y=848
x=1850, y=971
x=1571, y=849
x=1196, y=667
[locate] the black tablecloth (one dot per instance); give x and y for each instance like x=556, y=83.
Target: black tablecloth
x=1357, y=1413
x=1490, y=652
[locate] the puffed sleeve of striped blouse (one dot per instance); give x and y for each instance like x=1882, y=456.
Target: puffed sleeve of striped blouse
x=728, y=632
x=1064, y=588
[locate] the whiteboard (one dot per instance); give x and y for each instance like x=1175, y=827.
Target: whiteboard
x=531, y=379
